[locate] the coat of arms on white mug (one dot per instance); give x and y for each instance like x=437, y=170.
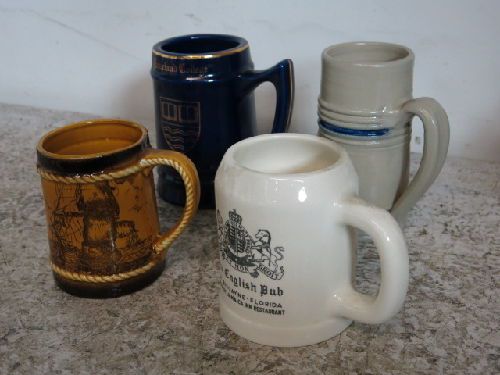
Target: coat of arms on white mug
x=245, y=253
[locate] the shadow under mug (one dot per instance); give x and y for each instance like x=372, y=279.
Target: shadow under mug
x=100, y=205
x=366, y=105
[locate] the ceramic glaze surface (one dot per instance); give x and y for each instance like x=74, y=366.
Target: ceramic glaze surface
x=204, y=102
x=103, y=227
x=283, y=206
x=381, y=162
x=366, y=104
x=365, y=79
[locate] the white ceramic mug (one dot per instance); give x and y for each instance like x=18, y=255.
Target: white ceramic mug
x=366, y=105
x=284, y=204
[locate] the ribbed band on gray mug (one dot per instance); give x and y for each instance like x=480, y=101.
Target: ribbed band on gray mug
x=365, y=84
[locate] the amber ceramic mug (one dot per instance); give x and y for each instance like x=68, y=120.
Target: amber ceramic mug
x=100, y=203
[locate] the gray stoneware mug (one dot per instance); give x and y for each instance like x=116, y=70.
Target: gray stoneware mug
x=366, y=105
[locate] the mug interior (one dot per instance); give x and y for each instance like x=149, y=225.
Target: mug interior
x=285, y=154
x=199, y=44
x=368, y=53
x=91, y=138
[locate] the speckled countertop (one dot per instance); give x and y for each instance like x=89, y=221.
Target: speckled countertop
x=449, y=323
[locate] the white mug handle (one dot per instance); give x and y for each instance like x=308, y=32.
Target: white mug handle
x=394, y=265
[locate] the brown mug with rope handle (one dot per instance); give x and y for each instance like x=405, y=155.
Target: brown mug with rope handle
x=103, y=226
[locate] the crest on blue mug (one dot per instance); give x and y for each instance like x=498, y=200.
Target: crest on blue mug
x=180, y=123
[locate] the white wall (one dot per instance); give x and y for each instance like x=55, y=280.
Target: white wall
x=94, y=56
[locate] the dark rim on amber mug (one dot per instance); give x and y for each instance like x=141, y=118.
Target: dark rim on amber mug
x=52, y=150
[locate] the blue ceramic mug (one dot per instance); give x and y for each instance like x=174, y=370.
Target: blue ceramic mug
x=204, y=103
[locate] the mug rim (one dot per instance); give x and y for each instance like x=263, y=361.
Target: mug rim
x=90, y=123
x=342, y=157
x=406, y=57
x=96, y=162
x=159, y=50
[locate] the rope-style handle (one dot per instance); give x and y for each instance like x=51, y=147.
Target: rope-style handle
x=189, y=175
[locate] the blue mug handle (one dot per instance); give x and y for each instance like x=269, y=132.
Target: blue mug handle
x=281, y=76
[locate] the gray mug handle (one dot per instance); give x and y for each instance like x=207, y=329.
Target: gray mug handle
x=436, y=140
